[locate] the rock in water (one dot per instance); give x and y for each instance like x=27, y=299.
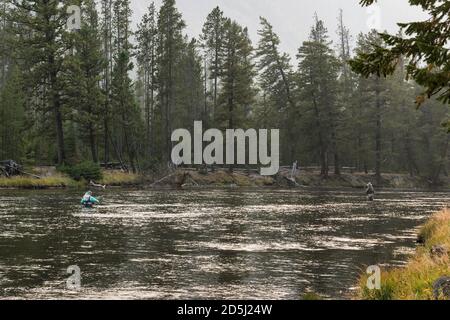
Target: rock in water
x=441, y=288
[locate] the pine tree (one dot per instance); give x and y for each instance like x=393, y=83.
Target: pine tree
x=399, y=124
x=3, y=44
x=83, y=75
x=107, y=40
x=125, y=110
x=12, y=119
x=146, y=58
x=169, y=53
x=344, y=49
x=424, y=45
x=189, y=87
x=350, y=122
x=41, y=46
x=374, y=99
x=276, y=83
x=237, y=72
x=318, y=83
x=432, y=142
x=213, y=41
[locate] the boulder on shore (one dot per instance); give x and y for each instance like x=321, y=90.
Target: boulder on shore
x=438, y=251
x=441, y=288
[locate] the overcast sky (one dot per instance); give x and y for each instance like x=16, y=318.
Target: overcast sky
x=292, y=19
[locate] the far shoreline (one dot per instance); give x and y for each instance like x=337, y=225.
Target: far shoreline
x=191, y=179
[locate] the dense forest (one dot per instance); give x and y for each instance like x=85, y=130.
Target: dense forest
x=109, y=92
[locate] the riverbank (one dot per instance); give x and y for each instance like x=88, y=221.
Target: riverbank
x=242, y=178
x=23, y=182
x=185, y=178
x=417, y=280
x=50, y=179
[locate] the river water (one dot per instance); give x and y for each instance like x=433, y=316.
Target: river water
x=203, y=244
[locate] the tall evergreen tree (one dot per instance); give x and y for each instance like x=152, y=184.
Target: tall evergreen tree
x=237, y=73
x=425, y=46
x=213, y=41
x=169, y=52
x=12, y=118
x=318, y=83
x=107, y=40
x=276, y=82
x=3, y=44
x=146, y=57
x=41, y=48
x=350, y=125
x=189, y=87
x=126, y=115
x=344, y=50
x=375, y=100
x=83, y=76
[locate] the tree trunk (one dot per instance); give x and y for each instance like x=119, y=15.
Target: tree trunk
x=412, y=165
x=205, y=93
x=106, y=141
x=57, y=111
x=92, y=142
x=322, y=147
x=378, y=128
x=337, y=164
x=147, y=104
x=107, y=35
x=442, y=161
x=59, y=131
x=216, y=76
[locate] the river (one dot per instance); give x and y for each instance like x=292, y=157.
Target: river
x=203, y=244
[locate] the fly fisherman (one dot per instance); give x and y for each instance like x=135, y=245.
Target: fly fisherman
x=370, y=191
x=88, y=201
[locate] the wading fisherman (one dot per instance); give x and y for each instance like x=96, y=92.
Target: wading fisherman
x=370, y=191
x=88, y=200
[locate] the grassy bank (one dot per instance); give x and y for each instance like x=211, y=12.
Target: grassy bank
x=56, y=179
x=415, y=280
x=24, y=182
x=119, y=178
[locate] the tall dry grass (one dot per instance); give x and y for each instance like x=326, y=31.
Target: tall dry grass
x=23, y=182
x=415, y=280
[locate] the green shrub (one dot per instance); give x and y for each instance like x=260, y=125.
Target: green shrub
x=85, y=170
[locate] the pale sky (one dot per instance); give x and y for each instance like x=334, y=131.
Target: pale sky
x=292, y=19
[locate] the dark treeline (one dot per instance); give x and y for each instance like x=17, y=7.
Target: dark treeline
x=67, y=97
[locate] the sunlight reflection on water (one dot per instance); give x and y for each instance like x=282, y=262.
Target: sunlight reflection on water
x=149, y=244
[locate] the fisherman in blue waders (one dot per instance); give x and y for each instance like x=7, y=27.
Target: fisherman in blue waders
x=88, y=201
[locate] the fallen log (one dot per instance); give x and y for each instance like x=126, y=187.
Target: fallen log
x=96, y=185
x=167, y=180
x=189, y=181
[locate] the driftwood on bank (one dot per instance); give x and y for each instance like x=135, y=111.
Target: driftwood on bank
x=9, y=168
x=189, y=181
x=171, y=179
x=290, y=181
x=176, y=179
x=30, y=174
x=96, y=185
